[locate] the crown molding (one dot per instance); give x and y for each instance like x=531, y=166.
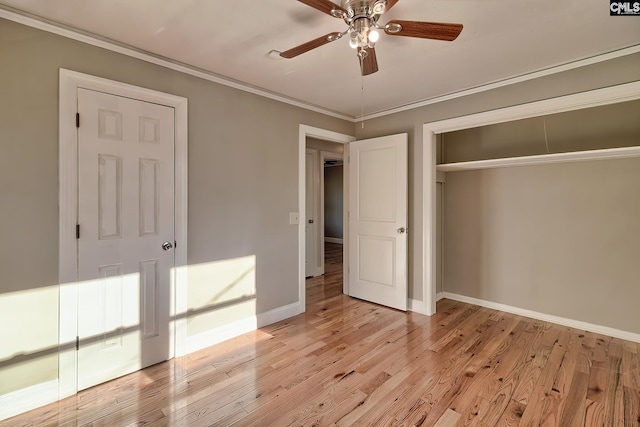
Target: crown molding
x=104, y=43
x=508, y=81
x=94, y=40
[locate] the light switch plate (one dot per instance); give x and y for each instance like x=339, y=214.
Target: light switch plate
x=294, y=218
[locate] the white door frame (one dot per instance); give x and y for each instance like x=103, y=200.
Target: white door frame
x=70, y=81
x=328, y=155
x=327, y=135
x=593, y=98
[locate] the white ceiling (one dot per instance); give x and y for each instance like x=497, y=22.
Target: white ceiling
x=232, y=38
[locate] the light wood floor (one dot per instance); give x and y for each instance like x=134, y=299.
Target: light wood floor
x=347, y=362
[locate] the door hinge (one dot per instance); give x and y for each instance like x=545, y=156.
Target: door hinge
x=77, y=120
x=77, y=231
x=77, y=343
x=175, y=244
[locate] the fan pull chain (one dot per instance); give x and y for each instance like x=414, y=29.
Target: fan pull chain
x=362, y=104
x=362, y=92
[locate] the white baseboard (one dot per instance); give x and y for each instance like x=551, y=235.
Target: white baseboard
x=334, y=240
x=419, y=306
x=577, y=324
x=217, y=335
x=26, y=399
x=416, y=306
x=222, y=333
x=278, y=314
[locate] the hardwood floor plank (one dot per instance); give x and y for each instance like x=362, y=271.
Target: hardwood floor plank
x=630, y=366
x=574, y=411
x=631, y=407
x=346, y=362
x=512, y=415
x=544, y=398
x=614, y=392
x=495, y=388
x=449, y=419
x=332, y=403
x=366, y=413
x=594, y=414
x=486, y=338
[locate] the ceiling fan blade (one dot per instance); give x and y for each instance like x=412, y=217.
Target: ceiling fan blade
x=423, y=30
x=325, y=6
x=369, y=64
x=306, y=47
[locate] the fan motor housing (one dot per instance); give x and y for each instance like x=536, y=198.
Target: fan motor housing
x=357, y=8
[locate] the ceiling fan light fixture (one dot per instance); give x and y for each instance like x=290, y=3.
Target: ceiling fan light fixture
x=354, y=38
x=374, y=36
x=362, y=34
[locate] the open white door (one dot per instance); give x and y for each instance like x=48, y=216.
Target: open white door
x=126, y=220
x=378, y=220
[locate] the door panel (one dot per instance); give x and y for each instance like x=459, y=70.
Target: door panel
x=125, y=213
x=378, y=220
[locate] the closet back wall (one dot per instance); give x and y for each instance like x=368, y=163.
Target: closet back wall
x=559, y=239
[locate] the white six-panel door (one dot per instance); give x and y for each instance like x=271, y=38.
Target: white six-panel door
x=378, y=220
x=125, y=213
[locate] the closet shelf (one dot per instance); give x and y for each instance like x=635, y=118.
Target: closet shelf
x=574, y=156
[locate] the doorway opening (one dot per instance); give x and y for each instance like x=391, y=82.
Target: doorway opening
x=324, y=201
x=322, y=136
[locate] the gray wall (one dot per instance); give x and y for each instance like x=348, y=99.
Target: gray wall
x=243, y=173
x=333, y=201
x=561, y=239
x=604, y=74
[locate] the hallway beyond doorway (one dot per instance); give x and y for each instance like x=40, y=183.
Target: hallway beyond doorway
x=329, y=285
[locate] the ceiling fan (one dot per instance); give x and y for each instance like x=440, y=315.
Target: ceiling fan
x=362, y=18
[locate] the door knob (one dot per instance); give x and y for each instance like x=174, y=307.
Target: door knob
x=167, y=246
x=401, y=230
x=310, y=221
